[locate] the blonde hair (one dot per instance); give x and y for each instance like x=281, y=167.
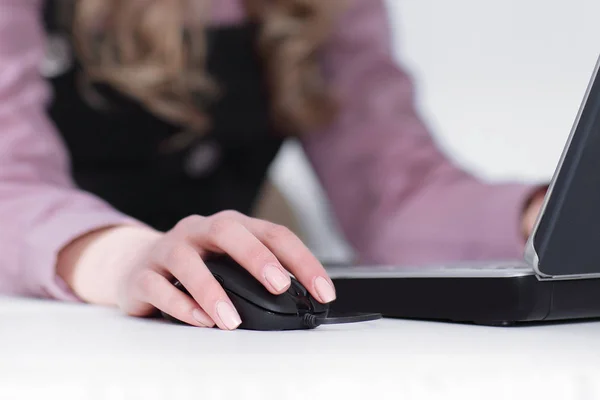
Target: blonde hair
x=154, y=52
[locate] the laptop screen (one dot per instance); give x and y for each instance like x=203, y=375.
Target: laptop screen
x=566, y=240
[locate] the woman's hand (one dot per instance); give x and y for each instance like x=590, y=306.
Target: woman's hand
x=532, y=211
x=132, y=267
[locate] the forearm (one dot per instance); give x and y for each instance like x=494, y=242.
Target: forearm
x=94, y=264
x=397, y=197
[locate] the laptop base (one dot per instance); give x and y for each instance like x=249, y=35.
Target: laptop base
x=505, y=299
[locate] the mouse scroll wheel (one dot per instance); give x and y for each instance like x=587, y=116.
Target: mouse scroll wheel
x=219, y=279
x=297, y=289
x=179, y=285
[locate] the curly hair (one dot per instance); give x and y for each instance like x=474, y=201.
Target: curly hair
x=153, y=51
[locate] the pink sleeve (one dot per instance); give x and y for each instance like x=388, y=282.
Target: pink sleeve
x=40, y=209
x=397, y=197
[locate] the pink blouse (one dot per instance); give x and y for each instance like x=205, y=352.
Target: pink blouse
x=397, y=197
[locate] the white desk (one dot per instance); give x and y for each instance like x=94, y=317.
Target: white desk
x=61, y=351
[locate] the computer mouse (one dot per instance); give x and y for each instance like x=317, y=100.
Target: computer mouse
x=259, y=309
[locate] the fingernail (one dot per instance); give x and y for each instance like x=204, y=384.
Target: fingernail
x=201, y=318
x=324, y=289
x=276, y=278
x=228, y=315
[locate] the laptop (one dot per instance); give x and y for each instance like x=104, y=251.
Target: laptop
x=558, y=278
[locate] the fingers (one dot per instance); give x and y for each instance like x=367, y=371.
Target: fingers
x=531, y=212
x=228, y=235
x=184, y=262
x=160, y=293
x=263, y=248
x=297, y=258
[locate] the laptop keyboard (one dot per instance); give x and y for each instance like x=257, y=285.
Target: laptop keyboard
x=453, y=270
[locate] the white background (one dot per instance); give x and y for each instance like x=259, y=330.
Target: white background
x=498, y=82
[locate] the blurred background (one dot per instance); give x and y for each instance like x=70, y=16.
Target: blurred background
x=498, y=82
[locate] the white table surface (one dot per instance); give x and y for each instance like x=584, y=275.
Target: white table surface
x=52, y=350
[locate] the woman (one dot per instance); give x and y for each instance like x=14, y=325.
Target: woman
x=128, y=166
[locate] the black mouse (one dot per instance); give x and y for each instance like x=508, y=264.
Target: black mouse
x=259, y=309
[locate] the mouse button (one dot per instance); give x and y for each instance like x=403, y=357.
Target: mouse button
x=263, y=302
x=317, y=306
x=225, y=269
x=236, y=279
x=259, y=319
x=233, y=276
x=254, y=292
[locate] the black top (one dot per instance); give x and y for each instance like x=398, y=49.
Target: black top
x=115, y=153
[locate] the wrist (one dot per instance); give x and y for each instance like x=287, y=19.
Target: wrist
x=94, y=264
